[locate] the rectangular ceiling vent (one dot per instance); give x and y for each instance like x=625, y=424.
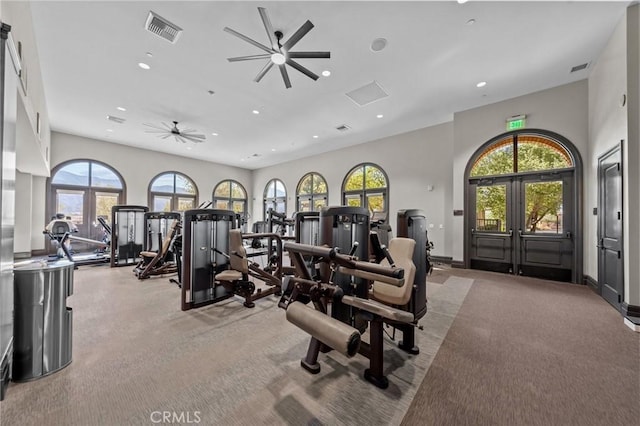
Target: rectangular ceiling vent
x=162, y=28
x=367, y=94
x=580, y=67
x=343, y=128
x=116, y=119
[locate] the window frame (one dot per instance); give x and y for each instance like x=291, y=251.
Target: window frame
x=364, y=192
x=174, y=196
x=273, y=200
x=231, y=198
x=312, y=197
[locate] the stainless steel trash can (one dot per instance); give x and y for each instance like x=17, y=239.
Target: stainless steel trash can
x=42, y=328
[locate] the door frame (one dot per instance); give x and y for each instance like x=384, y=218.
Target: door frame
x=617, y=148
x=578, y=215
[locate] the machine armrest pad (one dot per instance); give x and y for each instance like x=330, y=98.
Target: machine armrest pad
x=378, y=308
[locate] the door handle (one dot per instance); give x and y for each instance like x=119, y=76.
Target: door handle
x=511, y=232
x=520, y=233
x=567, y=234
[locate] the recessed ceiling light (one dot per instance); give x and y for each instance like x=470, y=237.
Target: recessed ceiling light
x=462, y=1
x=109, y=130
x=214, y=134
x=189, y=148
x=144, y=66
x=121, y=109
x=255, y=111
x=242, y=159
x=273, y=150
x=149, y=54
x=379, y=115
x=481, y=84
x=471, y=21
x=326, y=73
x=315, y=136
x=378, y=44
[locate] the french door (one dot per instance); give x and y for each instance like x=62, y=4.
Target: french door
x=84, y=206
x=523, y=224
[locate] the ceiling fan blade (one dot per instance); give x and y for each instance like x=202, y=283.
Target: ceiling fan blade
x=249, y=58
x=193, y=138
x=248, y=40
x=262, y=72
x=309, y=54
x=156, y=131
x=285, y=76
x=268, y=27
x=153, y=126
x=304, y=29
x=166, y=136
x=302, y=69
x=178, y=138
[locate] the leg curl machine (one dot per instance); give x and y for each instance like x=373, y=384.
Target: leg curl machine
x=393, y=284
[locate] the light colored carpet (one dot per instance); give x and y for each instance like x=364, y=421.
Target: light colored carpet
x=136, y=354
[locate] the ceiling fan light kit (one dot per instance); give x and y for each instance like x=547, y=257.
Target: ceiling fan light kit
x=279, y=53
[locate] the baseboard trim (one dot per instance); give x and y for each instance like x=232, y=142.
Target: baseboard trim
x=442, y=259
x=633, y=323
x=457, y=264
x=592, y=284
x=630, y=310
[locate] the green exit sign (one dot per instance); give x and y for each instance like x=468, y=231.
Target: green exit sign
x=517, y=122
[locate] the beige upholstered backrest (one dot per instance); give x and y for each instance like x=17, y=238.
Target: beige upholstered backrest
x=237, y=253
x=167, y=240
x=401, y=250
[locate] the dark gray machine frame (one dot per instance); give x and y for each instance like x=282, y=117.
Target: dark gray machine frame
x=125, y=249
x=156, y=225
x=205, y=241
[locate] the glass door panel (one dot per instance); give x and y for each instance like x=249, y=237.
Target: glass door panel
x=221, y=205
x=185, y=203
x=103, y=203
x=491, y=208
x=543, y=207
x=375, y=202
x=353, y=200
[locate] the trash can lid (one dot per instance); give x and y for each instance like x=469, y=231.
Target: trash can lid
x=39, y=265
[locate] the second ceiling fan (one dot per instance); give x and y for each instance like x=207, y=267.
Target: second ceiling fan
x=279, y=53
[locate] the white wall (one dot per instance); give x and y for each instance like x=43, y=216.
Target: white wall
x=138, y=166
x=411, y=160
x=562, y=110
x=607, y=128
x=632, y=192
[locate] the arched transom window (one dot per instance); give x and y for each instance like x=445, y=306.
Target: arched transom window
x=366, y=185
x=312, y=193
x=172, y=191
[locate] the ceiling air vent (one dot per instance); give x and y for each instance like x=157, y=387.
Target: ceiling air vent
x=368, y=93
x=162, y=28
x=580, y=67
x=343, y=128
x=116, y=119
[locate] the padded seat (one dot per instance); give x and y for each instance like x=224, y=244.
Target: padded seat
x=229, y=275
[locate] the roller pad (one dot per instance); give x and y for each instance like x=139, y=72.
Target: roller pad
x=338, y=335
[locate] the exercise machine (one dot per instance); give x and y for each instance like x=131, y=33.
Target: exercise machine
x=238, y=278
x=128, y=234
x=392, y=283
x=159, y=262
x=61, y=230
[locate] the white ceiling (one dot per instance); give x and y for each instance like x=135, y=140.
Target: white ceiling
x=89, y=53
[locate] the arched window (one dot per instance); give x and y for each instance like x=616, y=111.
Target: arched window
x=311, y=193
x=366, y=185
x=230, y=195
x=172, y=191
x=85, y=190
x=275, y=197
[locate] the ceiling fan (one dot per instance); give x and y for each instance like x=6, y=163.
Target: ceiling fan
x=165, y=131
x=278, y=53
